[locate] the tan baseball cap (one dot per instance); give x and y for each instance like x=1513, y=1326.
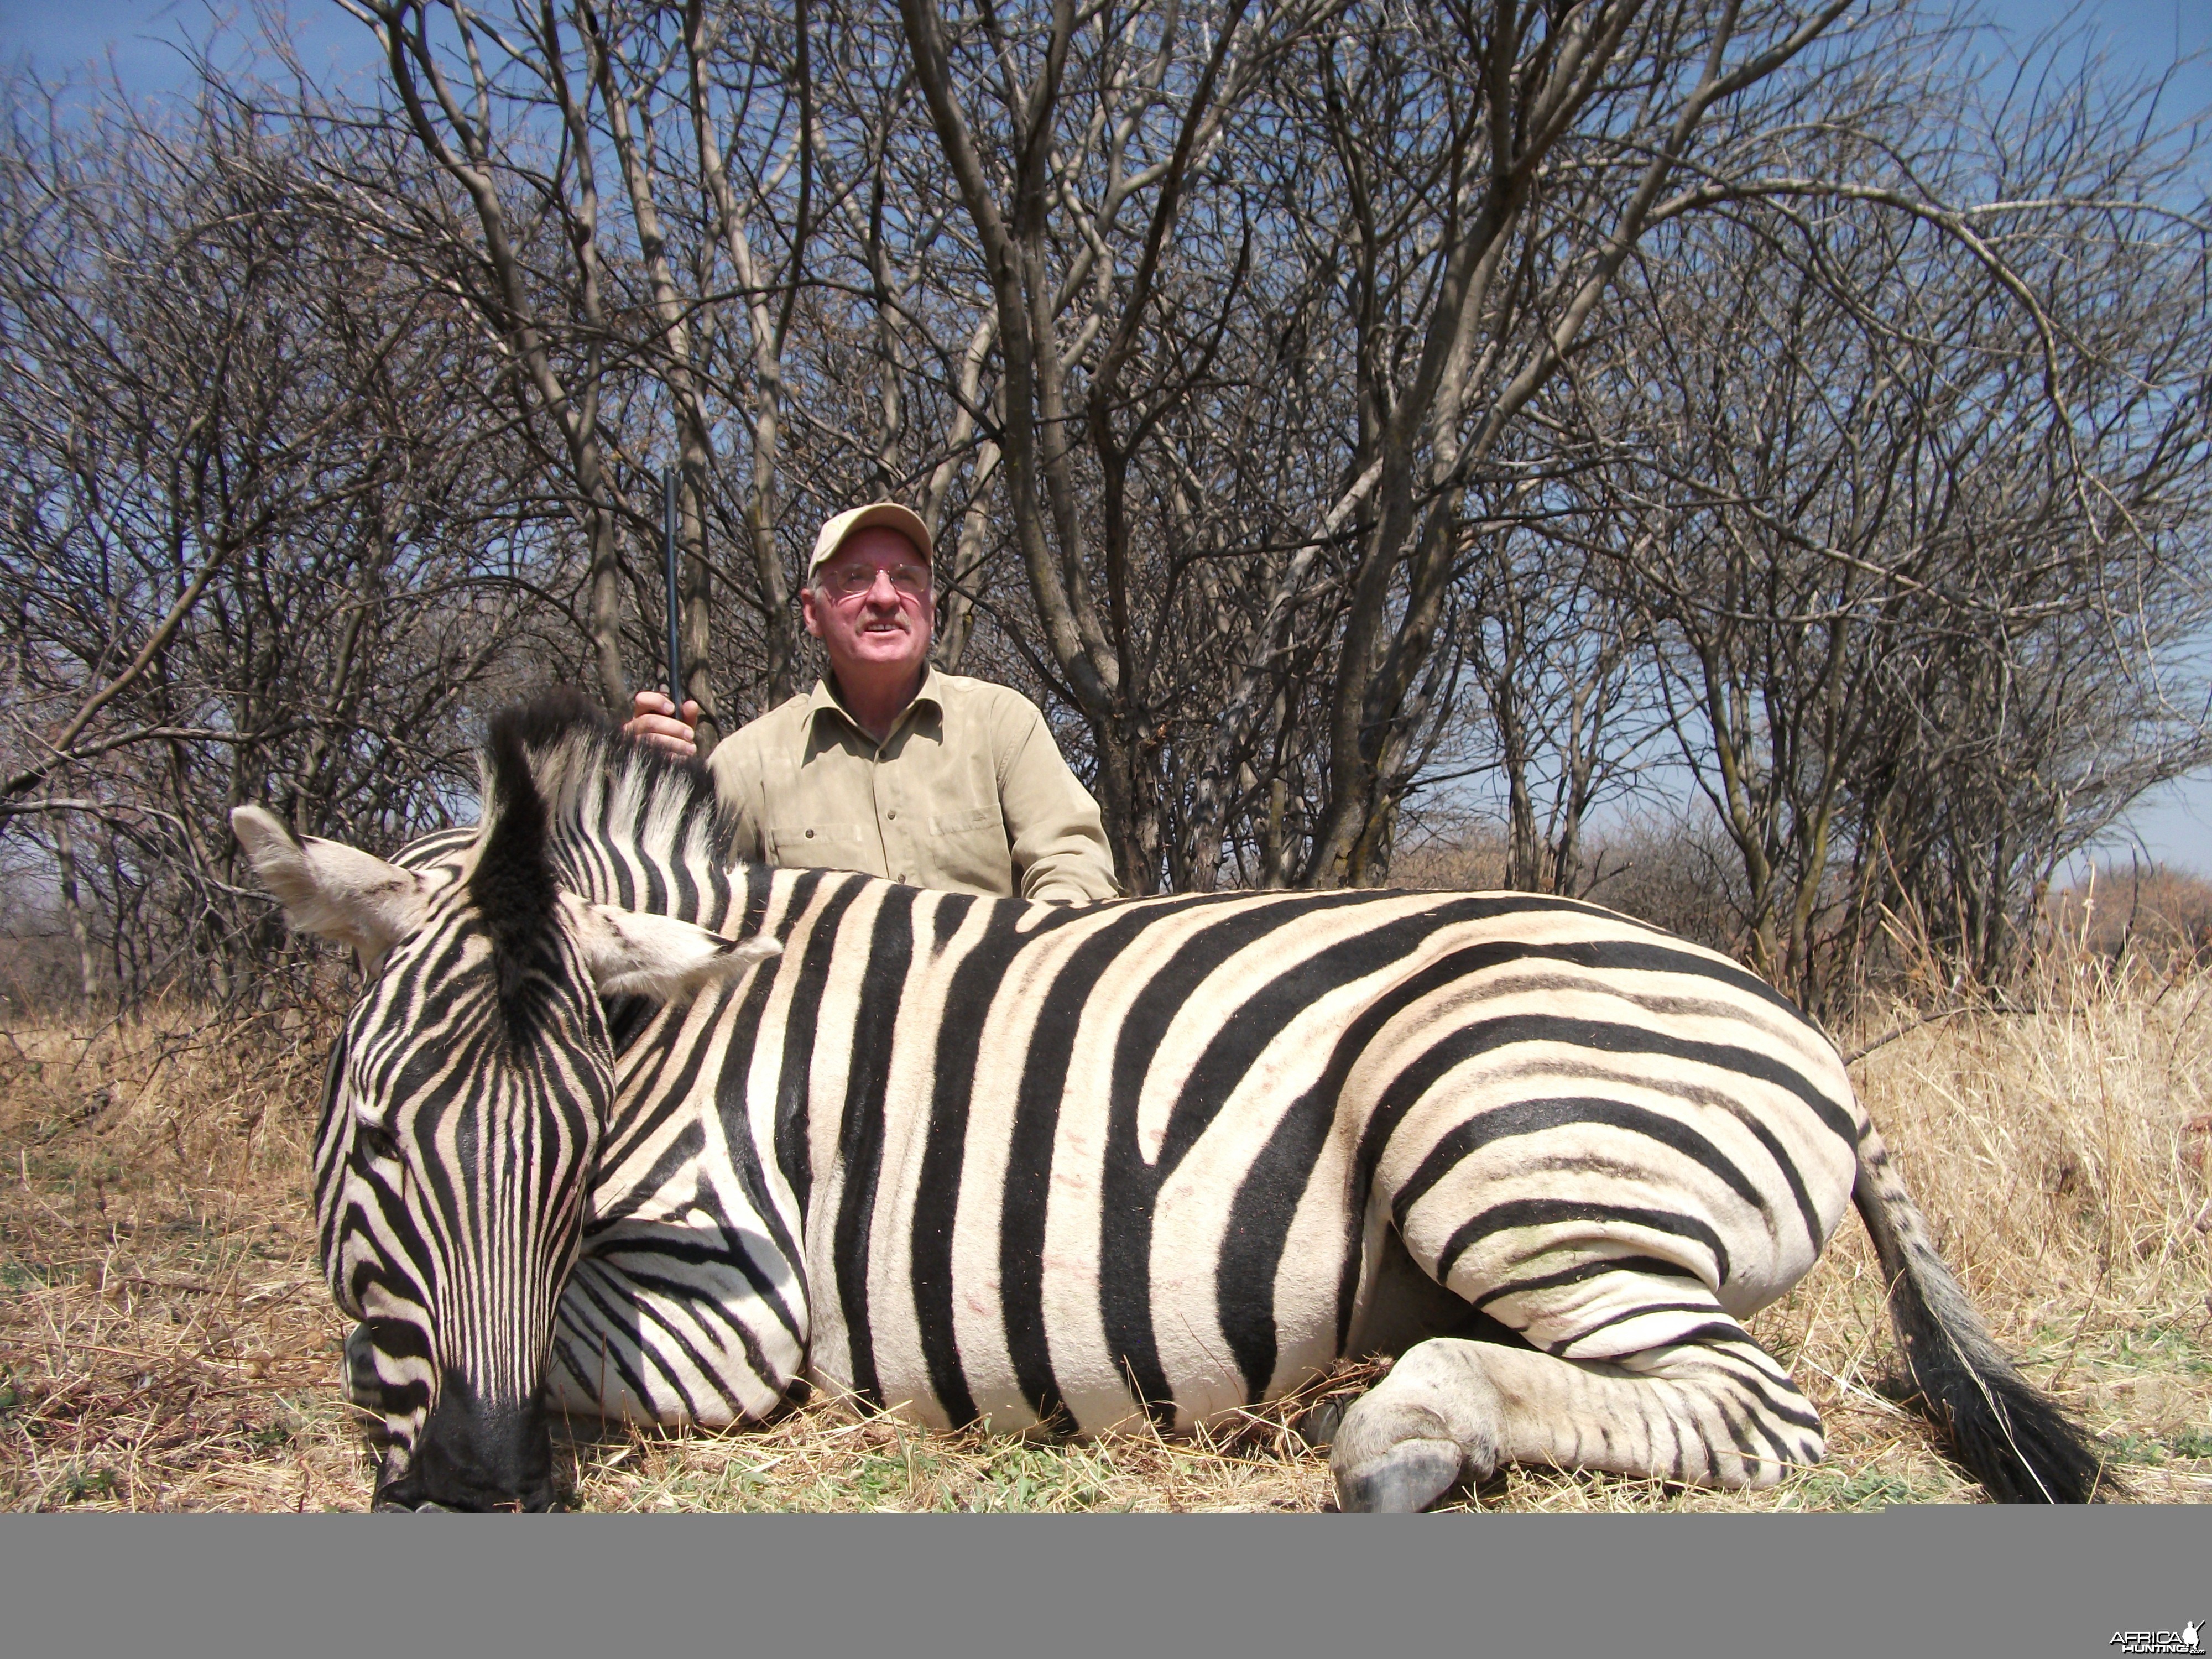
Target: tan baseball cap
x=888, y=515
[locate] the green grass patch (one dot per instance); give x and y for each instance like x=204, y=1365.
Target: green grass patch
x=2191, y=1444
x=2163, y=1345
x=1859, y=1490
x=81, y=1485
x=2142, y=1450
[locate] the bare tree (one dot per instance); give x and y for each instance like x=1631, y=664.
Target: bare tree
x=529, y=189
x=238, y=504
x=1486, y=172
x=1906, y=489
x=1555, y=641
x=1327, y=411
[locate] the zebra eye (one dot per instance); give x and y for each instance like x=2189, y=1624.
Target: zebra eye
x=376, y=1141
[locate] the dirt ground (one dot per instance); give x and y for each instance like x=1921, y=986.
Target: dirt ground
x=167, y=1342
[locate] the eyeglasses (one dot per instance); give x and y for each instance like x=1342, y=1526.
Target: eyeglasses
x=849, y=581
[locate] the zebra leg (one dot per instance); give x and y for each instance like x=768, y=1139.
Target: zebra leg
x=1711, y=1408
x=661, y=1325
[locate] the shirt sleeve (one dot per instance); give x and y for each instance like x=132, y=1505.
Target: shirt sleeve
x=1058, y=840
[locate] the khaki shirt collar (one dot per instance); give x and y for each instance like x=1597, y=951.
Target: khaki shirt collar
x=824, y=700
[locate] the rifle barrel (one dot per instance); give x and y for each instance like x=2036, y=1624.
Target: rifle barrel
x=671, y=481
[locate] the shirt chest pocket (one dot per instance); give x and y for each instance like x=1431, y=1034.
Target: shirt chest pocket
x=965, y=849
x=966, y=821
x=824, y=846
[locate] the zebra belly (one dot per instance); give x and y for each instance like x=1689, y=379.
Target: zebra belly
x=1088, y=1383
x=1109, y=1324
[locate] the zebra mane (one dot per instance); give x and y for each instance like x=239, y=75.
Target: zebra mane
x=513, y=883
x=616, y=814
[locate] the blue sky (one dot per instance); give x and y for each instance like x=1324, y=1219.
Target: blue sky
x=2149, y=37
x=62, y=36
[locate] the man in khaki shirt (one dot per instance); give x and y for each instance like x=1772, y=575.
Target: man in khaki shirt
x=890, y=766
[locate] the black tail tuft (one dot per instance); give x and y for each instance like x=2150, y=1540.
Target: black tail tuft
x=2018, y=1442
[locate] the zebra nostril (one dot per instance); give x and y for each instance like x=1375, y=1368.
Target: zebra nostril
x=362, y=1386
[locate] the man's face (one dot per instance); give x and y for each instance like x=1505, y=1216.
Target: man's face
x=870, y=604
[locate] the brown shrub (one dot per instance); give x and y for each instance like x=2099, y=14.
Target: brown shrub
x=1671, y=874
x=2159, y=913
x=1452, y=855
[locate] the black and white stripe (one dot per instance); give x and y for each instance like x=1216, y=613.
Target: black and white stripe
x=1157, y=1160
x=463, y=1113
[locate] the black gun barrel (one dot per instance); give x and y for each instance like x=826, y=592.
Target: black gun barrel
x=671, y=481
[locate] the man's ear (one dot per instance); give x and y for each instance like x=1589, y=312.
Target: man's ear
x=634, y=953
x=809, y=597
x=330, y=888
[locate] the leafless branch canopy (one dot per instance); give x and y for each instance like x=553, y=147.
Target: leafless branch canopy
x=1344, y=418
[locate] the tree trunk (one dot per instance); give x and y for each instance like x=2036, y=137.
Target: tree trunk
x=81, y=935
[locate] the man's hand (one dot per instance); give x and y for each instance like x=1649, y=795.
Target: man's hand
x=655, y=721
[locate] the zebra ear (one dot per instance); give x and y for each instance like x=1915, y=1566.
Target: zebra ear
x=634, y=953
x=330, y=888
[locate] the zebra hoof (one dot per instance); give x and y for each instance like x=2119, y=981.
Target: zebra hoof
x=1318, y=1425
x=1404, y=1480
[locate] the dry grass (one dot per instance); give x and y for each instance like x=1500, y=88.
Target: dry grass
x=166, y=1341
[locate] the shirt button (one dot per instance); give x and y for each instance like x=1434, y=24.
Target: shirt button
x=892, y=813
x=809, y=835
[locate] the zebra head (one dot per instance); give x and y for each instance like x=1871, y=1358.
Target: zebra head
x=466, y=1096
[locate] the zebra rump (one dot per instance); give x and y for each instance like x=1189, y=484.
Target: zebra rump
x=1061, y=1169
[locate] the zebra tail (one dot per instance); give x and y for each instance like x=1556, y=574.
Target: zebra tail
x=2018, y=1442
